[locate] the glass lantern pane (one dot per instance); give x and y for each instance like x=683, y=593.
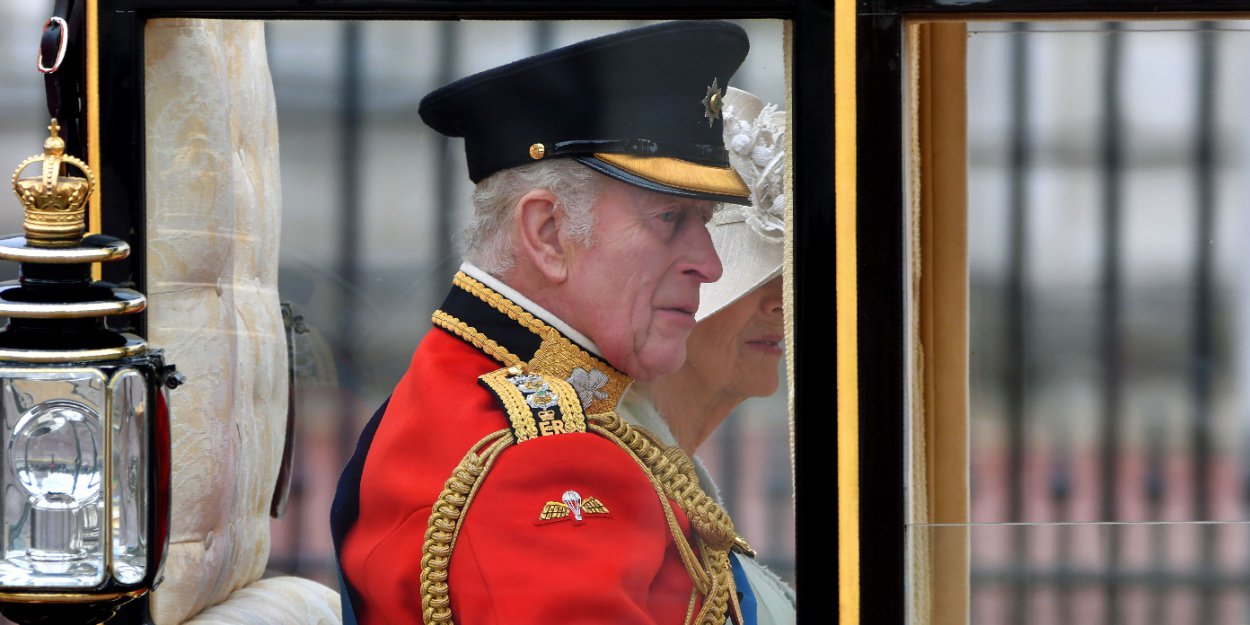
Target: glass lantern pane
x=128, y=394
x=51, y=466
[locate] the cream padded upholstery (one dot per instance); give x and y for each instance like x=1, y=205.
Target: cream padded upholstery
x=214, y=210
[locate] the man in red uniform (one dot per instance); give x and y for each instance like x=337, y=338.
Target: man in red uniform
x=499, y=484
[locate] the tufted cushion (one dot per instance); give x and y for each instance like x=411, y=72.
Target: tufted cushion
x=275, y=601
x=214, y=209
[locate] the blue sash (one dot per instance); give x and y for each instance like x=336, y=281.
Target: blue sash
x=746, y=596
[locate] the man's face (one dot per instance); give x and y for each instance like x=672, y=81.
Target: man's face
x=635, y=289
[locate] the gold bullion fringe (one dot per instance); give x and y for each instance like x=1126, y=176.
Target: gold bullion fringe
x=444, y=524
x=672, y=474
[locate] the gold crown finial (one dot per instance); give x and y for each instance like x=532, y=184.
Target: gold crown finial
x=55, y=205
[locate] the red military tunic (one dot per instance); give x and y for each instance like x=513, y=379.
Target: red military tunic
x=509, y=566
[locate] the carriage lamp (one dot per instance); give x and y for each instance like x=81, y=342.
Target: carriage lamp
x=84, y=424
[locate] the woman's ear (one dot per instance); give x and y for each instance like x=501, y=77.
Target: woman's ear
x=538, y=235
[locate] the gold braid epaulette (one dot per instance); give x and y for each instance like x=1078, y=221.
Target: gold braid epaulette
x=672, y=473
x=444, y=524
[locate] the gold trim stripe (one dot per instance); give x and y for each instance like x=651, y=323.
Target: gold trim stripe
x=133, y=304
x=475, y=338
x=94, y=210
x=68, y=597
x=17, y=249
x=845, y=200
x=680, y=174
x=504, y=305
x=557, y=356
x=133, y=347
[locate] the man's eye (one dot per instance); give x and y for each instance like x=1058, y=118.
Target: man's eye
x=669, y=216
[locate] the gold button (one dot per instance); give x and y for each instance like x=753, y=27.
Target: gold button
x=537, y=151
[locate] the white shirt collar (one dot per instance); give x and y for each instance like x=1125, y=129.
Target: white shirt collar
x=524, y=302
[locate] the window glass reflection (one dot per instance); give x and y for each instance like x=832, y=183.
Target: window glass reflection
x=1108, y=315
x=373, y=201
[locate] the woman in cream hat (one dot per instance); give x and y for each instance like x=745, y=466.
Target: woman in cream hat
x=734, y=351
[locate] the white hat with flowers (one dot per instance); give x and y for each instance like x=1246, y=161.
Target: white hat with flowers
x=749, y=239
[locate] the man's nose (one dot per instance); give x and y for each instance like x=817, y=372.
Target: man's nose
x=701, y=259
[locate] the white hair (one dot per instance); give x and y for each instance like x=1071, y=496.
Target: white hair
x=488, y=241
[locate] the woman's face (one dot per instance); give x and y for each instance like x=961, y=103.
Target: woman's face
x=737, y=349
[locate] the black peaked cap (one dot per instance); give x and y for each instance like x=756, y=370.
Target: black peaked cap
x=640, y=105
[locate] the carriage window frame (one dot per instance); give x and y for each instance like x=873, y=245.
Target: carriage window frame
x=116, y=103
x=862, y=103
x=888, y=246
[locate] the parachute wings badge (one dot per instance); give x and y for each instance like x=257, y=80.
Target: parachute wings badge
x=572, y=507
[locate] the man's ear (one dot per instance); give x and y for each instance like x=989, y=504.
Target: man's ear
x=539, y=234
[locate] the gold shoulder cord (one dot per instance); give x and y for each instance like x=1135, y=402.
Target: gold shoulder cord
x=672, y=475
x=445, y=520
x=669, y=470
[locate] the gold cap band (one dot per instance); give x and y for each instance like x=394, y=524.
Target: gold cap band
x=679, y=174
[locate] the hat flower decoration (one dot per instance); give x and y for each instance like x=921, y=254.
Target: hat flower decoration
x=749, y=239
x=756, y=145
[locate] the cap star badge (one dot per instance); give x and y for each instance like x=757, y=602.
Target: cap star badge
x=572, y=507
x=712, y=102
